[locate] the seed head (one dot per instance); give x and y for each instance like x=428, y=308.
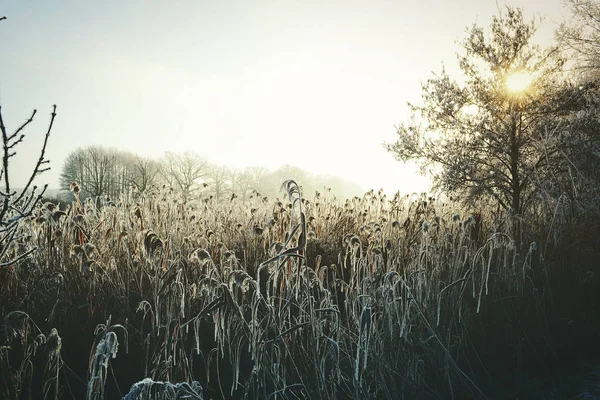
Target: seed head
x=425, y=226
x=57, y=214
x=53, y=343
x=90, y=250
x=74, y=187
x=76, y=251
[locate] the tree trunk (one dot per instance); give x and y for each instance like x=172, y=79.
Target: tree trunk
x=515, y=179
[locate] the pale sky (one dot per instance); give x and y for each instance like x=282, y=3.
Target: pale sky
x=316, y=84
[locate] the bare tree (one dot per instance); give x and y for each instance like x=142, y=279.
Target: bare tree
x=240, y=184
x=72, y=171
x=100, y=171
x=93, y=168
x=146, y=172
x=219, y=181
x=97, y=170
x=291, y=172
x=257, y=179
x=184, y=171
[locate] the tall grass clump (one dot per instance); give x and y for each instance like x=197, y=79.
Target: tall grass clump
x=293, y=297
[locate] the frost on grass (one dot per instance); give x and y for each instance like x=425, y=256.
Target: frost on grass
x=106, y=349
x=148, y=389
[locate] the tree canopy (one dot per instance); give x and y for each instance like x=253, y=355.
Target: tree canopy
x=580, y=37
x=500, y=132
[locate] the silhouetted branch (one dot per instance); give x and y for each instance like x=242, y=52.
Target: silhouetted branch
x=37, y=170
x=13, y=211
x=11, y=137
x=5, y=141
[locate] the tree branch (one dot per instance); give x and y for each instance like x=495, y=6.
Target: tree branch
x=37, y=170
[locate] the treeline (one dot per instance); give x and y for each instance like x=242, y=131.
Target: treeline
x=101, y=171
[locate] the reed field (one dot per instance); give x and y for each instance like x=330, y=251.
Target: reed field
x=298, y=297
x=174, y=278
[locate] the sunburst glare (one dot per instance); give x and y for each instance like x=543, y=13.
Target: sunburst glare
x=518, y=82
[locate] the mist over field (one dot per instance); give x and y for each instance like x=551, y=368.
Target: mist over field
x=265, y=84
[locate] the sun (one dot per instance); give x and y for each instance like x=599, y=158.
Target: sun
x=518, y=82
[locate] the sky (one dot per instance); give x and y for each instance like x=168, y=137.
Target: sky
x=317, y=84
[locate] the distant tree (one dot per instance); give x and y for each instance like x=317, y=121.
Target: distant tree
x=122, y=173
x=268, y=183
x=580, y=37
x=184, y=171
x=145, y=172
x=219, y=180
x=239, y=185
x=343, y=189
x=98, y=171
x=90, y=168
x=486, y=137
x=254, y=179
x=287, y=172
x=72, y=170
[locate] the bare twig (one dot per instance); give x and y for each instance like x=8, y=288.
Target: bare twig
x=37, y=169
x=11, y=137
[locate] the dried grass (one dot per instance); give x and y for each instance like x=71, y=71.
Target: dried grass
x=228, y=289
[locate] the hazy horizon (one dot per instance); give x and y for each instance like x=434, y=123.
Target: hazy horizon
x=319, y=87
